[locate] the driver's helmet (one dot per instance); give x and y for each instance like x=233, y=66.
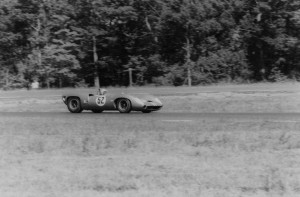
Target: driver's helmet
x=102, y=91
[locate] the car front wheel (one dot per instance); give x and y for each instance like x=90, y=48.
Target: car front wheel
x=124, y=105
x=74, y=105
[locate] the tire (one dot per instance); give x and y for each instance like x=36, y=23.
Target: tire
x=97, y=111
x=146, y=111
x=124, y=105
x=74, y=105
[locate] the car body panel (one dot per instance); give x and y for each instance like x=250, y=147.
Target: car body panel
x=91, y=101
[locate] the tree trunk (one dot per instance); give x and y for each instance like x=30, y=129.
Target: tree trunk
x=6, y=78
x=188, y=61
x=39, y=51
x=48, y=84
x=95, y=55
x=60, y=82
x=262, y=64
x=189, y=77
x=148, y=25
x=39, y=56
x=47, y=81
x=130, y=77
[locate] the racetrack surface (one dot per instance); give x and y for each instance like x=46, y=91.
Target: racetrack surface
x=159, y=116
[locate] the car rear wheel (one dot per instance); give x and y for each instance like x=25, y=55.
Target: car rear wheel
x=74, y=105
x=97, y=110
x=124, y=105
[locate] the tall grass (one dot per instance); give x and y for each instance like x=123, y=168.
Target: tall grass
x=106, y=155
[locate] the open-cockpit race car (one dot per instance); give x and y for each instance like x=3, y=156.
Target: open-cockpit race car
x=102, y=101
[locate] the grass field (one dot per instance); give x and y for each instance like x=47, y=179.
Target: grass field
x=89, y=155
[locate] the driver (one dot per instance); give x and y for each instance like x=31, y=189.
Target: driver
x=101, y=91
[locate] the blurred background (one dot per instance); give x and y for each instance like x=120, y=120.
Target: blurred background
x=92, y=43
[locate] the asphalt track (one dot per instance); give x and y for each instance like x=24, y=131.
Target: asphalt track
x=160, y=116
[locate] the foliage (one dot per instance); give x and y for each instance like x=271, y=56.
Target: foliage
x=65, y=43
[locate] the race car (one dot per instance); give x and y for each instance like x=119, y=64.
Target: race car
x=102, y=101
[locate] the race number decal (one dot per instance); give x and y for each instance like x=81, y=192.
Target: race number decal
x=100, y=100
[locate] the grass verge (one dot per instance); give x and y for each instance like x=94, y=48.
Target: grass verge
x=106, y=155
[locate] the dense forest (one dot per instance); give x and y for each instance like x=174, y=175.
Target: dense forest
x=74, y=43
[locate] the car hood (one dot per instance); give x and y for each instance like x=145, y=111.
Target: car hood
x=144, y=96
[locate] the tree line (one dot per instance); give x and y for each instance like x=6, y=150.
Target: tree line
x=63, y=43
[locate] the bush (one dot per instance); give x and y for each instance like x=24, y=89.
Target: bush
x=277, y=76
x=161, y=81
